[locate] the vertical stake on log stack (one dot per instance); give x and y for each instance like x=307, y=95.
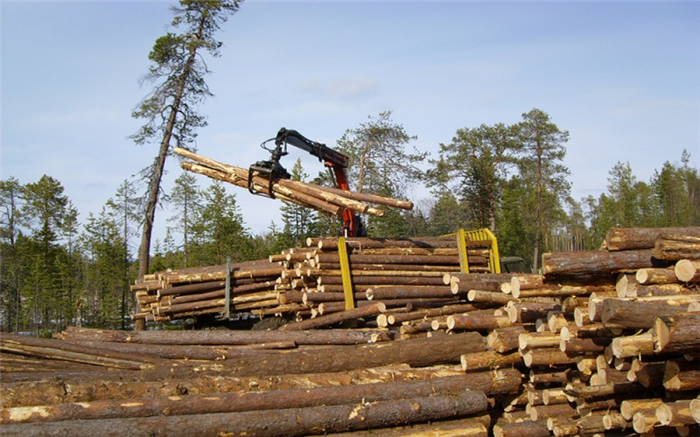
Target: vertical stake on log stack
x=227, y=307
x=345, y=273
x=462, y=249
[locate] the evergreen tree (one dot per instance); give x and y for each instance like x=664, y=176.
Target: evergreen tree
x=10, y=268
x=125, y=206
x=543, y=173
x=178, y=69
x=218, y=230
x=475, y=165
x=44, y=207
x=378, y=156
x=104, y=278
x=185, y=198
x=298, y=220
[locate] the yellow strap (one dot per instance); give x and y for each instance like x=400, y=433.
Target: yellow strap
x=462, y=249
x=345, y=273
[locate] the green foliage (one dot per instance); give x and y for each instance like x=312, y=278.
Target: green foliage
x=298, y=221
x=218, y=229
x=474, y=167
x=378, y=157
x=177, y=71
x=185, y=199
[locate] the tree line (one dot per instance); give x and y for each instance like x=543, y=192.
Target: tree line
x=57, y=270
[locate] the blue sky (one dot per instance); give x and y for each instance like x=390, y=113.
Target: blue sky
x=622, y=77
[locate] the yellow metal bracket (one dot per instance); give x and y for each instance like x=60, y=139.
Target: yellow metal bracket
x=462, y=250
x=345, y=273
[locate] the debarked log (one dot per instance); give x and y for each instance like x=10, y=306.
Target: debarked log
x=231, y=402
x=288, y=422
x=328, y=319
x=228, y=337
x=147, y=384
x=415, y=352
x=21, y=344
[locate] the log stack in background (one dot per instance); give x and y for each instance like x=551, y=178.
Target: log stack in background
x=402, y=274
x=605, y=342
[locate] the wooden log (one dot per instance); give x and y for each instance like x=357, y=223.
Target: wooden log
x=687, y=270
x=446, y=310
x=676, y=333
x=546, y=357
x=630, y=407
x=644, y=421
x=505, y=339
x=473, y=426
x=463, y=282
x=656, y=276
x=404, y=292
x=676, y=247
x=544, y=411
x=286, y=187
x=374, y=281
x=362, y=242
x=369, y=198
x=487, y=296
x=529, y=312
x=476, y=322
x=675, y=413
x=594, y=262
x=488, y=359
x=633, y=345
x=330, y=319
x=416, y=352
x=613, y=420
x=390, y=259
x=528, y=428
x=643, y=238
x=56, y=349
x=231, y=402
x=288, y=422
x=584, y=345
x=535, y=340
x=602, y=390
x=546, y=376
x=631, y=314
x=147, y=384
x=695, y=409
x=681, y=376
x=649, y=374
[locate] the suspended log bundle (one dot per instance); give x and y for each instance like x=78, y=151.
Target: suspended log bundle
x=426, y=350
x=313, y=196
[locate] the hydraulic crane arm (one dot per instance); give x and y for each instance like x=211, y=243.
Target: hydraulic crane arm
x=333, y=159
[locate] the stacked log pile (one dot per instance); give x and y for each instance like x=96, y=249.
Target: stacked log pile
x=604, y=342
x=394, y=274
x=171, y=295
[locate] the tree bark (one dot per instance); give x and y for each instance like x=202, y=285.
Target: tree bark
x=632, y=314
x=594, y=262
x=642, y=238
x=329, y=319
x=678, y=333
x=237, y=402
x=288, y=422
